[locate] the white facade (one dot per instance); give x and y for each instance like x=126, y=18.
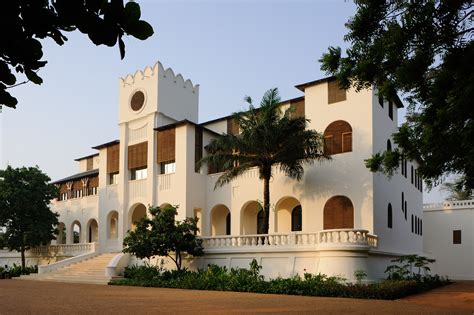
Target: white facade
x=449, y=238
x=171, y=103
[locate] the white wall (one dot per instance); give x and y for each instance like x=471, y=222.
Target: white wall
x=453, y=260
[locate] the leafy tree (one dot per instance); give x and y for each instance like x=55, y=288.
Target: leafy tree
x=425, y=50
x=25, y=194
x=457, y=190
x=268, y=137
x=24, y=22
x=163, y=236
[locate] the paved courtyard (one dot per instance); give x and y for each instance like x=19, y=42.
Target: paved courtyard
x=20, y=297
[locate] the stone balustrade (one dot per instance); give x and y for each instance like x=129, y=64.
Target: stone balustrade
x=63, y=249
x=292, y=240
x=456, y=204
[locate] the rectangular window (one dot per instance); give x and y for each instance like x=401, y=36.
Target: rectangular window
x=335, y=93
x=113, y=178
x=381, y=101
x=197, y=148
x=138, y=173
x=168, y=167
x=412, y=224
x=457, y=237
x=406, y=168
x=390, y=109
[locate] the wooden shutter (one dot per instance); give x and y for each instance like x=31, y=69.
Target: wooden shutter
x=166, y=146
x=62, y=189
x=347, y=142
x=90, y=163
x=341, y=133
x=328, y=144
x=137, y=155
x=197, y=147
x=335, y=94
x=299, y=109
x=93, y=181
x=77, y=185
x=113, y=158
x=338, y=213
x=232, y=126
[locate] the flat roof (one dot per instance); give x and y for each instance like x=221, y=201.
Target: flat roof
x=86, y=157
x=184, y=122
x=77, y=176
x=107, y=144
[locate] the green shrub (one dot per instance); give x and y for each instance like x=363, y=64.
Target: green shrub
x=249, y=280
x=17, y=271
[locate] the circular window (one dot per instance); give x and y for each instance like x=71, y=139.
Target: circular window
x=137, y=101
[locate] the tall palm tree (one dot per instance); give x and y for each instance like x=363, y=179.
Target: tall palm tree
x=267, y=137
x=457, y=190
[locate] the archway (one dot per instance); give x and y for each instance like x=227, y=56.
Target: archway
x=288, y=215
x=76, y=232
x=112, y=225
x=61, y=237
x=137, y=213
x=92, y=231
x=220, y=220
x=251, y=218
x=338, y=213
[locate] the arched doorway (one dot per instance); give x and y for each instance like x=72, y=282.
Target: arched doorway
x=220, y=220
x=338, y=213
x=288, y=215
x=61, y=237
x=76, y=235
x=251, y=221
x=112, y=225
x=137, y=213
x=92, y=231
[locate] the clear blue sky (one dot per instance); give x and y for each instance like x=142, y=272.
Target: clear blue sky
x=230, y=48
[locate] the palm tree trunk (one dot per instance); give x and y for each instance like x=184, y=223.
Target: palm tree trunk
x=266, y=204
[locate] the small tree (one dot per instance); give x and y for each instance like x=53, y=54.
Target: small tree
x=163, y=236
x=25, y=194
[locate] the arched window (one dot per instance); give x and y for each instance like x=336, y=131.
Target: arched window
x=338, y=138
x=389, y=145
x=338, y=213
x=389, y=216
x=296, y=219
x=227, y=224
x=260, y=218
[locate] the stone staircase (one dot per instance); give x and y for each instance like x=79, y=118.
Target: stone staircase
x=90, y=271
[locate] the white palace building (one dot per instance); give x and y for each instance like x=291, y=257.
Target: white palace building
x=338, y=219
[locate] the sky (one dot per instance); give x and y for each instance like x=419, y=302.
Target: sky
x=230, y=48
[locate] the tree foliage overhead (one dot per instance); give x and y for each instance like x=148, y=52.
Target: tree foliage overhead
x=457, y=190
x=163, y=236
x=25, y=194
x=23, y=23
x=423, y=49
x=267, y=137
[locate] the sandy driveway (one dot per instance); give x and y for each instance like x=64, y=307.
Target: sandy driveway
x=19, y=297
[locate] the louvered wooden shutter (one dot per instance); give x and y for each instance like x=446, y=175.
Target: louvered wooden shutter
x=347, y=142
x=93, y=181
x=137, y=155
x=335, y=94
x=299, y=109
x=113, y=154
x=197, y=147
x=338, y=213
x=90, y=163
x=77, y=185
x=62, y=189
x=166, y=146
x=232, y=126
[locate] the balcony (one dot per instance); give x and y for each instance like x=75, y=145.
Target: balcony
x=137, y=188
x=165, y=181
x=338, y=239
